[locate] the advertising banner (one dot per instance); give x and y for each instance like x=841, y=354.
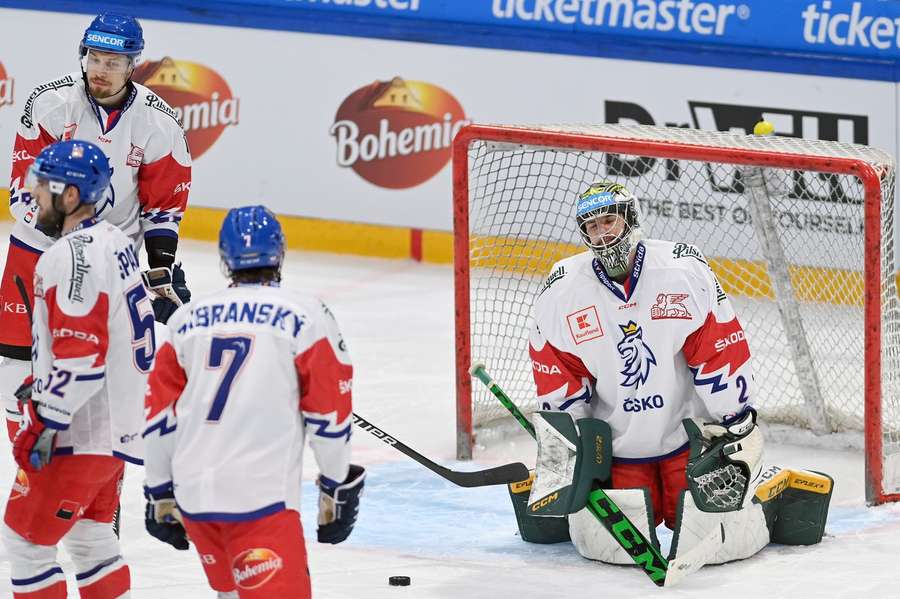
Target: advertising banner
x=359, y=130
x=848, y=28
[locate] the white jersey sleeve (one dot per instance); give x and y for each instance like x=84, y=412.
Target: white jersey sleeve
x=42, y=123
x=717, y=352
x=167, y=381
x=326, y=379
x=71, y=316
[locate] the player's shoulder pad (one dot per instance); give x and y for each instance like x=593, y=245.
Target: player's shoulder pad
x=563, y=273
x=47, y=97
x=67, y=265
x=674, y=255
x=158, y=110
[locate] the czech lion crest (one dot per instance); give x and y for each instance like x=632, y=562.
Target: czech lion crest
x=636, y=355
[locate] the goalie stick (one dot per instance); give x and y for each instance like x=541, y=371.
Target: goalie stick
x=499, y=475
x=601, y=505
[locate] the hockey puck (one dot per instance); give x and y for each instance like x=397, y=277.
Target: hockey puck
x=398, y=581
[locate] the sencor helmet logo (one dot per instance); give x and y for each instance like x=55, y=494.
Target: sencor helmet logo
x=106, y=40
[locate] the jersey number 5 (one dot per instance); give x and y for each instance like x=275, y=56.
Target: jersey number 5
x=239, y=348
x=143, y=339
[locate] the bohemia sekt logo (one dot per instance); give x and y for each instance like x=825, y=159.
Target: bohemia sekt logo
x=21, y=486
x=397, y=134
x=200, y=97
x=6, y=88
x=255, y=567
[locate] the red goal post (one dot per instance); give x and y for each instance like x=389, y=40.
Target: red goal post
x=805, y=250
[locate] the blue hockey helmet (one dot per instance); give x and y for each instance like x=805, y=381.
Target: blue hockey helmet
x=251, y=237
x=118, y=34
x=74, y=162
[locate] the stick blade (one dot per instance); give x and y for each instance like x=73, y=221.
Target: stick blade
x=499, y=475
x=693, y=560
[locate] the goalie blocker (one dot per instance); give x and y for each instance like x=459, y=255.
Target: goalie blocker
x=733, y=509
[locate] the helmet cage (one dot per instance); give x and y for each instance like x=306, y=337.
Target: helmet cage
x=602, y=199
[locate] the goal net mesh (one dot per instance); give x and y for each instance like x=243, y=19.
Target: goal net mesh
x=805, y=277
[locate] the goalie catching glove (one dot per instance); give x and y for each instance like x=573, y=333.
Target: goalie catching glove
x=339, y=505
x=162, y=519
x=725, y=458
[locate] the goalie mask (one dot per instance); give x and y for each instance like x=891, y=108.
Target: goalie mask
x=610, y=239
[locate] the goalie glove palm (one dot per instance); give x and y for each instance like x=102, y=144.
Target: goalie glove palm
x=724, y=459
x=339, y=506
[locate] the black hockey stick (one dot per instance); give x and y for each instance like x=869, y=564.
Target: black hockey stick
x=627, y=535
x=20, y=285
x=500, y=475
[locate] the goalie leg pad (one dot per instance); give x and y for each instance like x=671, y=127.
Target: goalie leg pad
x=535, y=529
x=594, y=542
x=743, y=531
x=796, y=504
x=572, y=458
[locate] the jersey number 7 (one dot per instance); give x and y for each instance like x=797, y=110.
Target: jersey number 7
x=239, y=348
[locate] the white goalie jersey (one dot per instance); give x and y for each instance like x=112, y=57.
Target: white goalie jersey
x=642, y=356
x=248, y=374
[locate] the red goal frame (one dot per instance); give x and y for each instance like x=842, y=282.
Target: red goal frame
x=875, y=493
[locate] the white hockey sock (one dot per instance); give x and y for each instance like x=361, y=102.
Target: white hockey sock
x=100, y=569
x=32, y=568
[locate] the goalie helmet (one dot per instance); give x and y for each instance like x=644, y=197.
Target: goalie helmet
x=604, y=198
x=251, y=237
x=74, y=162
x=118, y=34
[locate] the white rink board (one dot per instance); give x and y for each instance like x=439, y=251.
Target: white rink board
x=290, y=85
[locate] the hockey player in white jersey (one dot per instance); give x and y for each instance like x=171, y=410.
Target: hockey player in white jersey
x=248, y=375
x=148, y=190
x=639, y=333
x=92, y=350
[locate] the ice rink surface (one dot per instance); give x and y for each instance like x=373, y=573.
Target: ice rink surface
x=397, y=318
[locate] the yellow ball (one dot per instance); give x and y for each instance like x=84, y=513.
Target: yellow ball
x=764, y=128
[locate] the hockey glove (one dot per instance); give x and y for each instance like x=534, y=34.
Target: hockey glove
x=163, y=519
x=34, y=443
x=339, y=505
x=169, y=288
x=724, y=460
x=23, y=393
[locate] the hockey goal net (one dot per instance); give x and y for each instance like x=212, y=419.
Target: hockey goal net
x=800, y=234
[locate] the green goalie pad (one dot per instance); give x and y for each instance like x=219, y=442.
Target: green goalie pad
x=795, y=503
x=535, y=529
x=572, y=461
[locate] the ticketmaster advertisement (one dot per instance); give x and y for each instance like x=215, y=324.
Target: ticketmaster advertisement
x=358, y=129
